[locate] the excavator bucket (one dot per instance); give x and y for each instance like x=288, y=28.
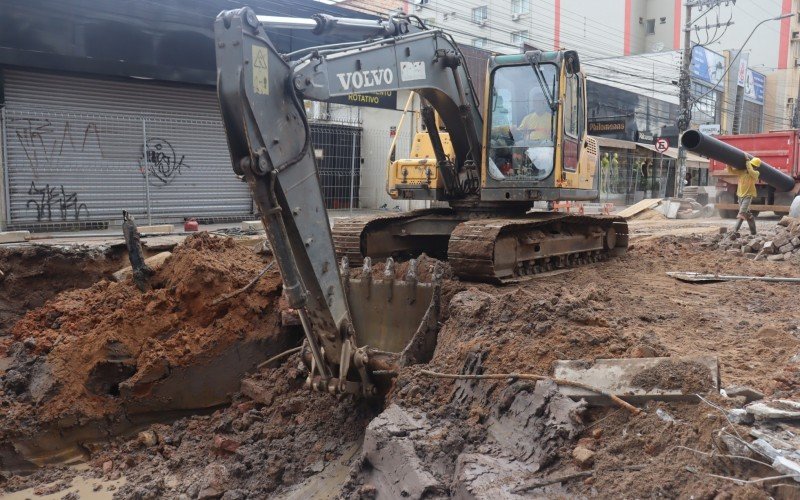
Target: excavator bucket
x=396, y=316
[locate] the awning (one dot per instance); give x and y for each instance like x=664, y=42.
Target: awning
x=692, y=160
x=606, y=142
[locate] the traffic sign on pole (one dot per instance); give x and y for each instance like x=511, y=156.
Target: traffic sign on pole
x=662, y=145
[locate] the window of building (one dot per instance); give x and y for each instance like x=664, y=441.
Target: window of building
x=519, y=37
x=707, y=106
x=520, y=6
x=480, y=43
x=650, y=27
x=480, y=14
x=752, y=118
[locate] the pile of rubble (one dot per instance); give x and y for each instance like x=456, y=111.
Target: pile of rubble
x=780, y=243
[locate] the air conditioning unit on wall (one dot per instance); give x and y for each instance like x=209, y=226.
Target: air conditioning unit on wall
x=515, y=17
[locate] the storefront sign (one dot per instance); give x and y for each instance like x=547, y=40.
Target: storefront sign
x=606, y=127
x=754, y=86
x=645, y=136
x=707, y=65
x=710, y=128
x=384, y=100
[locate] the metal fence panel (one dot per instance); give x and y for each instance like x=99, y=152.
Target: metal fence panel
x=338, y=151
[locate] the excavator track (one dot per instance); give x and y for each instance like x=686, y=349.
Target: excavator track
x=509, y=249
x=497, y=250
x=348, y=231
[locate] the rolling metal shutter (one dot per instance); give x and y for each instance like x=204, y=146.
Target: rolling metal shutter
x=81, y=149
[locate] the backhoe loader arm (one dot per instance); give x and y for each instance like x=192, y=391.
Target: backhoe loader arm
x=260, y=95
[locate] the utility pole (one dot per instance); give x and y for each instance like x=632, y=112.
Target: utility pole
x=685, y=116
x=796, y=114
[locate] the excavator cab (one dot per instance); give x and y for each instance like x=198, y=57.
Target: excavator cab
x=535, y=145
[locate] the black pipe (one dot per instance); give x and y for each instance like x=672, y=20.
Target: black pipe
x=712, y=148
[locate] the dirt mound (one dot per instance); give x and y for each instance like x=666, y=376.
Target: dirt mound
x=35, y=274
x=628, y=307
x=110, y=350
x=684, y=375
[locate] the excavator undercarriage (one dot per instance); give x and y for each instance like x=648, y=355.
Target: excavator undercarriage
x=488, y=249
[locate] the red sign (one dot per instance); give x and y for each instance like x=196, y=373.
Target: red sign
x=662, y=145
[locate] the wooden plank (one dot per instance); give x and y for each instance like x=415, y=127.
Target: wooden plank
x=715, y=278
x=641, y=206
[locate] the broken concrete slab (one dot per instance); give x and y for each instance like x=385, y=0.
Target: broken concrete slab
x=779, y=409
x=748, y=393
x=740, y=416
x=638, y=380
x=480, y=476
x=14, y=236
x=252, y=225
x=155, y=262
x=786, y=466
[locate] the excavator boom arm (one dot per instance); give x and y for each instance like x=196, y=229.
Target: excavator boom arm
x=270, y=145
x=426, y=62
x=269, y=139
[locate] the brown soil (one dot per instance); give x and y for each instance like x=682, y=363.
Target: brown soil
x=95, y=342
x=35, y=274
x=684, y=375
x=626, y=307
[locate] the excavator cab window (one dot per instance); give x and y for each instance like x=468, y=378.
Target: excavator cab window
x=573, y=121
x=521, y=121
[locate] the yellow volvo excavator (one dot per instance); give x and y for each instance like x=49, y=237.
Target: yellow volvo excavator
x=528, y=144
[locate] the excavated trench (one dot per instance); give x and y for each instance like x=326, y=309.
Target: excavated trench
x=84, y=359
x=32, y=275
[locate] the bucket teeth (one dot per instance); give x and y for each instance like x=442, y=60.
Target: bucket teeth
x=366, y=269
x=411, y=274
x=388, y=273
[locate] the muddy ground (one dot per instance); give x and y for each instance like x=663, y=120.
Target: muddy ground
x=468, y=439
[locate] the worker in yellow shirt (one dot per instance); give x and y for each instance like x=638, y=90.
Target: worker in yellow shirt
x=746, y=191
x=536, y=126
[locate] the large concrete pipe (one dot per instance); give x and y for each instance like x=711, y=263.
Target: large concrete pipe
x=707, y=146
